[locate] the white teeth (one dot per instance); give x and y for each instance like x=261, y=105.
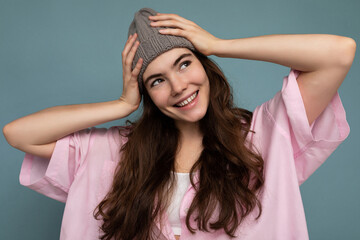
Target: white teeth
x=187, y=101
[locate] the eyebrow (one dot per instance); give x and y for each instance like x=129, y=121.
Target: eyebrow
x=174, y=64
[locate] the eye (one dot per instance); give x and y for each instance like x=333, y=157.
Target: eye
x=156, y=82
x=186, y=64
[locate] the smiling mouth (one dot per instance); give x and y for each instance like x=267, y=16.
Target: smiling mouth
x=187, y=101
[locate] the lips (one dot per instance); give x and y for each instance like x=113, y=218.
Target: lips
x=187, y=100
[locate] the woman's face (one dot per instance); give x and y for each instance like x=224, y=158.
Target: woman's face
x=178, y=85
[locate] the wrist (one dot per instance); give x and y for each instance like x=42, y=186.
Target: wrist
x=220, y=47
x=217, y=46
x=128, y=107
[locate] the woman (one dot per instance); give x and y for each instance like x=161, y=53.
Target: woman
x=193, y=165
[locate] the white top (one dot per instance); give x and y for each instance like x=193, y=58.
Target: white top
x=182, y=182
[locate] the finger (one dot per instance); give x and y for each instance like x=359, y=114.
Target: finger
x=127, y=61
x=130, y=38
x=176, y=32
x=133, y=79
x=128, y=46
x=169, y=23
x=129, y=43
x=137, y=68
x=130, y=57
x=166, y=16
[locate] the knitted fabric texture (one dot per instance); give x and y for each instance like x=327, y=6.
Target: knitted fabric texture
x=152, y=43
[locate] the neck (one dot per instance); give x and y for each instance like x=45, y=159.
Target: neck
x=190, y=146
x=189, y=130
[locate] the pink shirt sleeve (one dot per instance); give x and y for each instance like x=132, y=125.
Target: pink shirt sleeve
x=311, y=145
x=53, y=177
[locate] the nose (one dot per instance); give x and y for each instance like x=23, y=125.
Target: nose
x=178, y=85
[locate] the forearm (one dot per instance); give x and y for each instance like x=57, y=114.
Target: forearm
x=304, y=52
x=53, y=123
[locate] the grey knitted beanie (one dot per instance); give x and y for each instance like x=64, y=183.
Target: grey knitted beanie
x=152, y=43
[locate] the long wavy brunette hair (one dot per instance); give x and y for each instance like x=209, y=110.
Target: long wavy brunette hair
x=230, y=173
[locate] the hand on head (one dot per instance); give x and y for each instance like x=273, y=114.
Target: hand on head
x=131, y=94
x=202, y=40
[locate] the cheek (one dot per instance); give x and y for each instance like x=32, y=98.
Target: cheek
x=198, y=75
x=158, y=98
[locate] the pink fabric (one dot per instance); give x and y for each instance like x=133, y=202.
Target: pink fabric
x=81, y=168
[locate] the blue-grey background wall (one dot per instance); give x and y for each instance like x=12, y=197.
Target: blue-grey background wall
x=69, y=52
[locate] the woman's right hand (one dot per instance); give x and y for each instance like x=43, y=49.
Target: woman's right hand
x=131, y=94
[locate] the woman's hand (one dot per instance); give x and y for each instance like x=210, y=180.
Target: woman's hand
x=131, y=94
x=203, y=41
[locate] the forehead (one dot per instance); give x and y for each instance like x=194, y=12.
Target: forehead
x=164, y=61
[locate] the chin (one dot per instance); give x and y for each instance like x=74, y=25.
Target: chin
x=191, y=119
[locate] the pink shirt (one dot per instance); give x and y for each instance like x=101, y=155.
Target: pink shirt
x=81, y=168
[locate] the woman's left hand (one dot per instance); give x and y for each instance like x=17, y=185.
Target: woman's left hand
x=203, y=41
